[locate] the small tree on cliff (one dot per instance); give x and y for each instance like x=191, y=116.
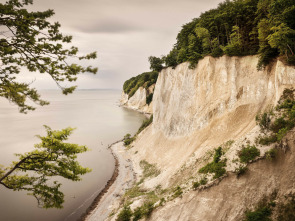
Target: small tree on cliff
x=156, y=64
x=28, y=40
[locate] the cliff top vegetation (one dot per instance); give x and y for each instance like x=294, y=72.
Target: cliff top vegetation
x=143, y=80
x=238, y=28
x=235, y=28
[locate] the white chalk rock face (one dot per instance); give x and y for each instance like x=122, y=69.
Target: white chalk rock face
x=186, y=100
x=138, y=100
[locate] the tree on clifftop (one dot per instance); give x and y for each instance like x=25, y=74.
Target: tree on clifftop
x=28, y=40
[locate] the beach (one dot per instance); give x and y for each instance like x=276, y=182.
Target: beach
x=122, y=179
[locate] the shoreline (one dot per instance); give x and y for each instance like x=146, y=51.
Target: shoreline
x=109, y=183
x=147, y=114
x=121, y=180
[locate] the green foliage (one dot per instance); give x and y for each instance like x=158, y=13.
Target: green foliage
x=149, y=170
x=271, y=154
x=248, y=153
x=280, y=121
x=145, y=124
x=238, y=28
x=31, y=41
x=202, y=181
x=144, y=211
x=196, y=185
x=263, y=120
x=149, y=98
x=217, y=166
x=35, y=170
x=177, y=192
x=143, y=80
x=156, y=64
x=128, y=139
x=137, y=214
x=241, y=170
x=287, y=210
x=260, y=214
x=125, y=214
x=133, y=192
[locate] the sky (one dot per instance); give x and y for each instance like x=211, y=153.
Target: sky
x=123, y=32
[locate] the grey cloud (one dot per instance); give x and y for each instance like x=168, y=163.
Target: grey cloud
x=123, y=32
x=108, y=26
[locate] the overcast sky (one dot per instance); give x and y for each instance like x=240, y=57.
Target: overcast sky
x=123, y=32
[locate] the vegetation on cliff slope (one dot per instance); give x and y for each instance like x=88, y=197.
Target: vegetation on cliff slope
x=143, y=80
x=238, y=28
x=276, y=122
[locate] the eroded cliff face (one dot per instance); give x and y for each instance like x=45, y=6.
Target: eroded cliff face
x=188, y=100
x=138, y=100
x=196, y=111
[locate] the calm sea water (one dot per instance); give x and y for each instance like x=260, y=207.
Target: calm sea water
x=99, y=122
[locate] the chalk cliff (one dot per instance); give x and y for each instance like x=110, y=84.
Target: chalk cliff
x=139, y=100
x=197, y=110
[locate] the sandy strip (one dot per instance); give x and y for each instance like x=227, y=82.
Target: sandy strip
x=122, y=179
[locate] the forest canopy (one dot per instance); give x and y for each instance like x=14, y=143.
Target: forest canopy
x=238, y=28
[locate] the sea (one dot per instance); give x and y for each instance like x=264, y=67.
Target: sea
x=99, y=121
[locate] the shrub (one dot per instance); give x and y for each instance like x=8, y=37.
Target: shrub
x=196, y=185
x=263, y=120
x=271, y=154
x=125, y=214
x=216, y=166
x=287, y=210
x=260, y=214
x=267, y=140
x=284, y=119
x=241, y=170
x=248, y=153
x=204, y=181
x=128, y=139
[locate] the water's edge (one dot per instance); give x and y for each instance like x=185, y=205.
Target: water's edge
x=107, y=186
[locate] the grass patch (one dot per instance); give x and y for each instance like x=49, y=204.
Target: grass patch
x=248, y=153
x=149, y=170
x=134, y=192
x=217, y=166
x=177, y=192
